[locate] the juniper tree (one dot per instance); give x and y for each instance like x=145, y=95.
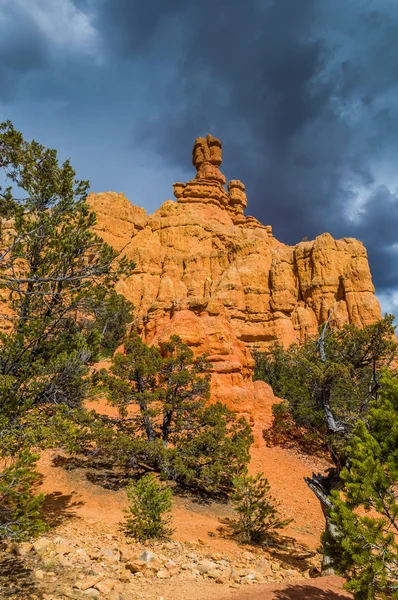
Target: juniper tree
x=329, y=384
x=161, y=393
x=55, y=274
x=56, y=277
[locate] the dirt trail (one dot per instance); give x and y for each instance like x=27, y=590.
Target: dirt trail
x=324, y=588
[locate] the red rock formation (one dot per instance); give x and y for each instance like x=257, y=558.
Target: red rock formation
x=221, y=280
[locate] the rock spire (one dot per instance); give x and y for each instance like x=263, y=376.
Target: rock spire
x=223, y=283
x=208, y=184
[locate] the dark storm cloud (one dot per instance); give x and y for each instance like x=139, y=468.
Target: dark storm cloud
x=22, y=49
x=303, y=94
x=131, y=25
x=377, y=228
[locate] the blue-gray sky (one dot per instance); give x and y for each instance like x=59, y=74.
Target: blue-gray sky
x=303, y=94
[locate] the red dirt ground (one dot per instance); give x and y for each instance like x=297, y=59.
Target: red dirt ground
x=72, y=496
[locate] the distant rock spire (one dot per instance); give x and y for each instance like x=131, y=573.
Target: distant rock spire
x=207, y=157
x=208, y=185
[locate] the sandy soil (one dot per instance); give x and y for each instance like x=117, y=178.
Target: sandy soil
x=285, y=470
x=70, y=496
x=324, y=588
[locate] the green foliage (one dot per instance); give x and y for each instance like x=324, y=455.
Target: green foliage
x=54, y=274
x=20, y=509
x=285, y=432
x=327, y=394
x=112, y=314
x=257, y=514
x=161, y=393
x=167, y=384
x=209, y=456
x=330, y=385
x=57, y=303
x=150, y=503
x=284, y=424
x=365, y=516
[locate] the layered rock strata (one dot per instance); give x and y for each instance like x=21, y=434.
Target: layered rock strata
x=220, y=279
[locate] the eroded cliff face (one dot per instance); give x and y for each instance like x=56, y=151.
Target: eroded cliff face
x=221, y=280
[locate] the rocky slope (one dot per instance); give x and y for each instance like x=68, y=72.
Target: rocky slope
x=85, y=555
x=86, y=562
x=222, y=281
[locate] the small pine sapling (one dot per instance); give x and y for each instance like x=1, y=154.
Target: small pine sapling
x=20, y=508
x=148, y=514
x=257, y=513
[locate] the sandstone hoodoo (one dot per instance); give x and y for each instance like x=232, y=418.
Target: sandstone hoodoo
x=221, y=280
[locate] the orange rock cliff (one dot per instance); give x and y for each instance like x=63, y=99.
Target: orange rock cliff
x=223, y=283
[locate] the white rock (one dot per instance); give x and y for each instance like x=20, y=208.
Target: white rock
x=147, y=556
x=110, y=555
x=92, y=593
x=205, y=566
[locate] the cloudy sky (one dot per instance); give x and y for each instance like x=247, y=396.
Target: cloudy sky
x=303, y=94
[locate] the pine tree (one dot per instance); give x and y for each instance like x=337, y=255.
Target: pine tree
x=167, y=384
x=20, y=507
x=365, y=517
x=148, y=514
x=257, y=512
x=329, y=384
x=213, y=452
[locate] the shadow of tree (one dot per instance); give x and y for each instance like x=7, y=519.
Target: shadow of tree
x=16, y=579
x=287, y=550
x=109, y=475
x=108, y=479
x=69, y=463
x=97, y=470
x=299, y=592
x=292, y=554
x=58, y=508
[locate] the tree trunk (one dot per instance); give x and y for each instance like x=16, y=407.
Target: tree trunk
x=166, y=426
x=149, y=430
x=322, y=486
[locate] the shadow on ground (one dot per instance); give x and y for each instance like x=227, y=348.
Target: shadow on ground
x=110, y=476
x=294, y=592
x=293, y=555
x=287, y=550
x=306, y=592
x=58, y=508
x=97, y=471
x=16, y=579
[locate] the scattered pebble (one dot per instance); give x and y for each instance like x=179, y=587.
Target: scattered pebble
x=89, y=564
